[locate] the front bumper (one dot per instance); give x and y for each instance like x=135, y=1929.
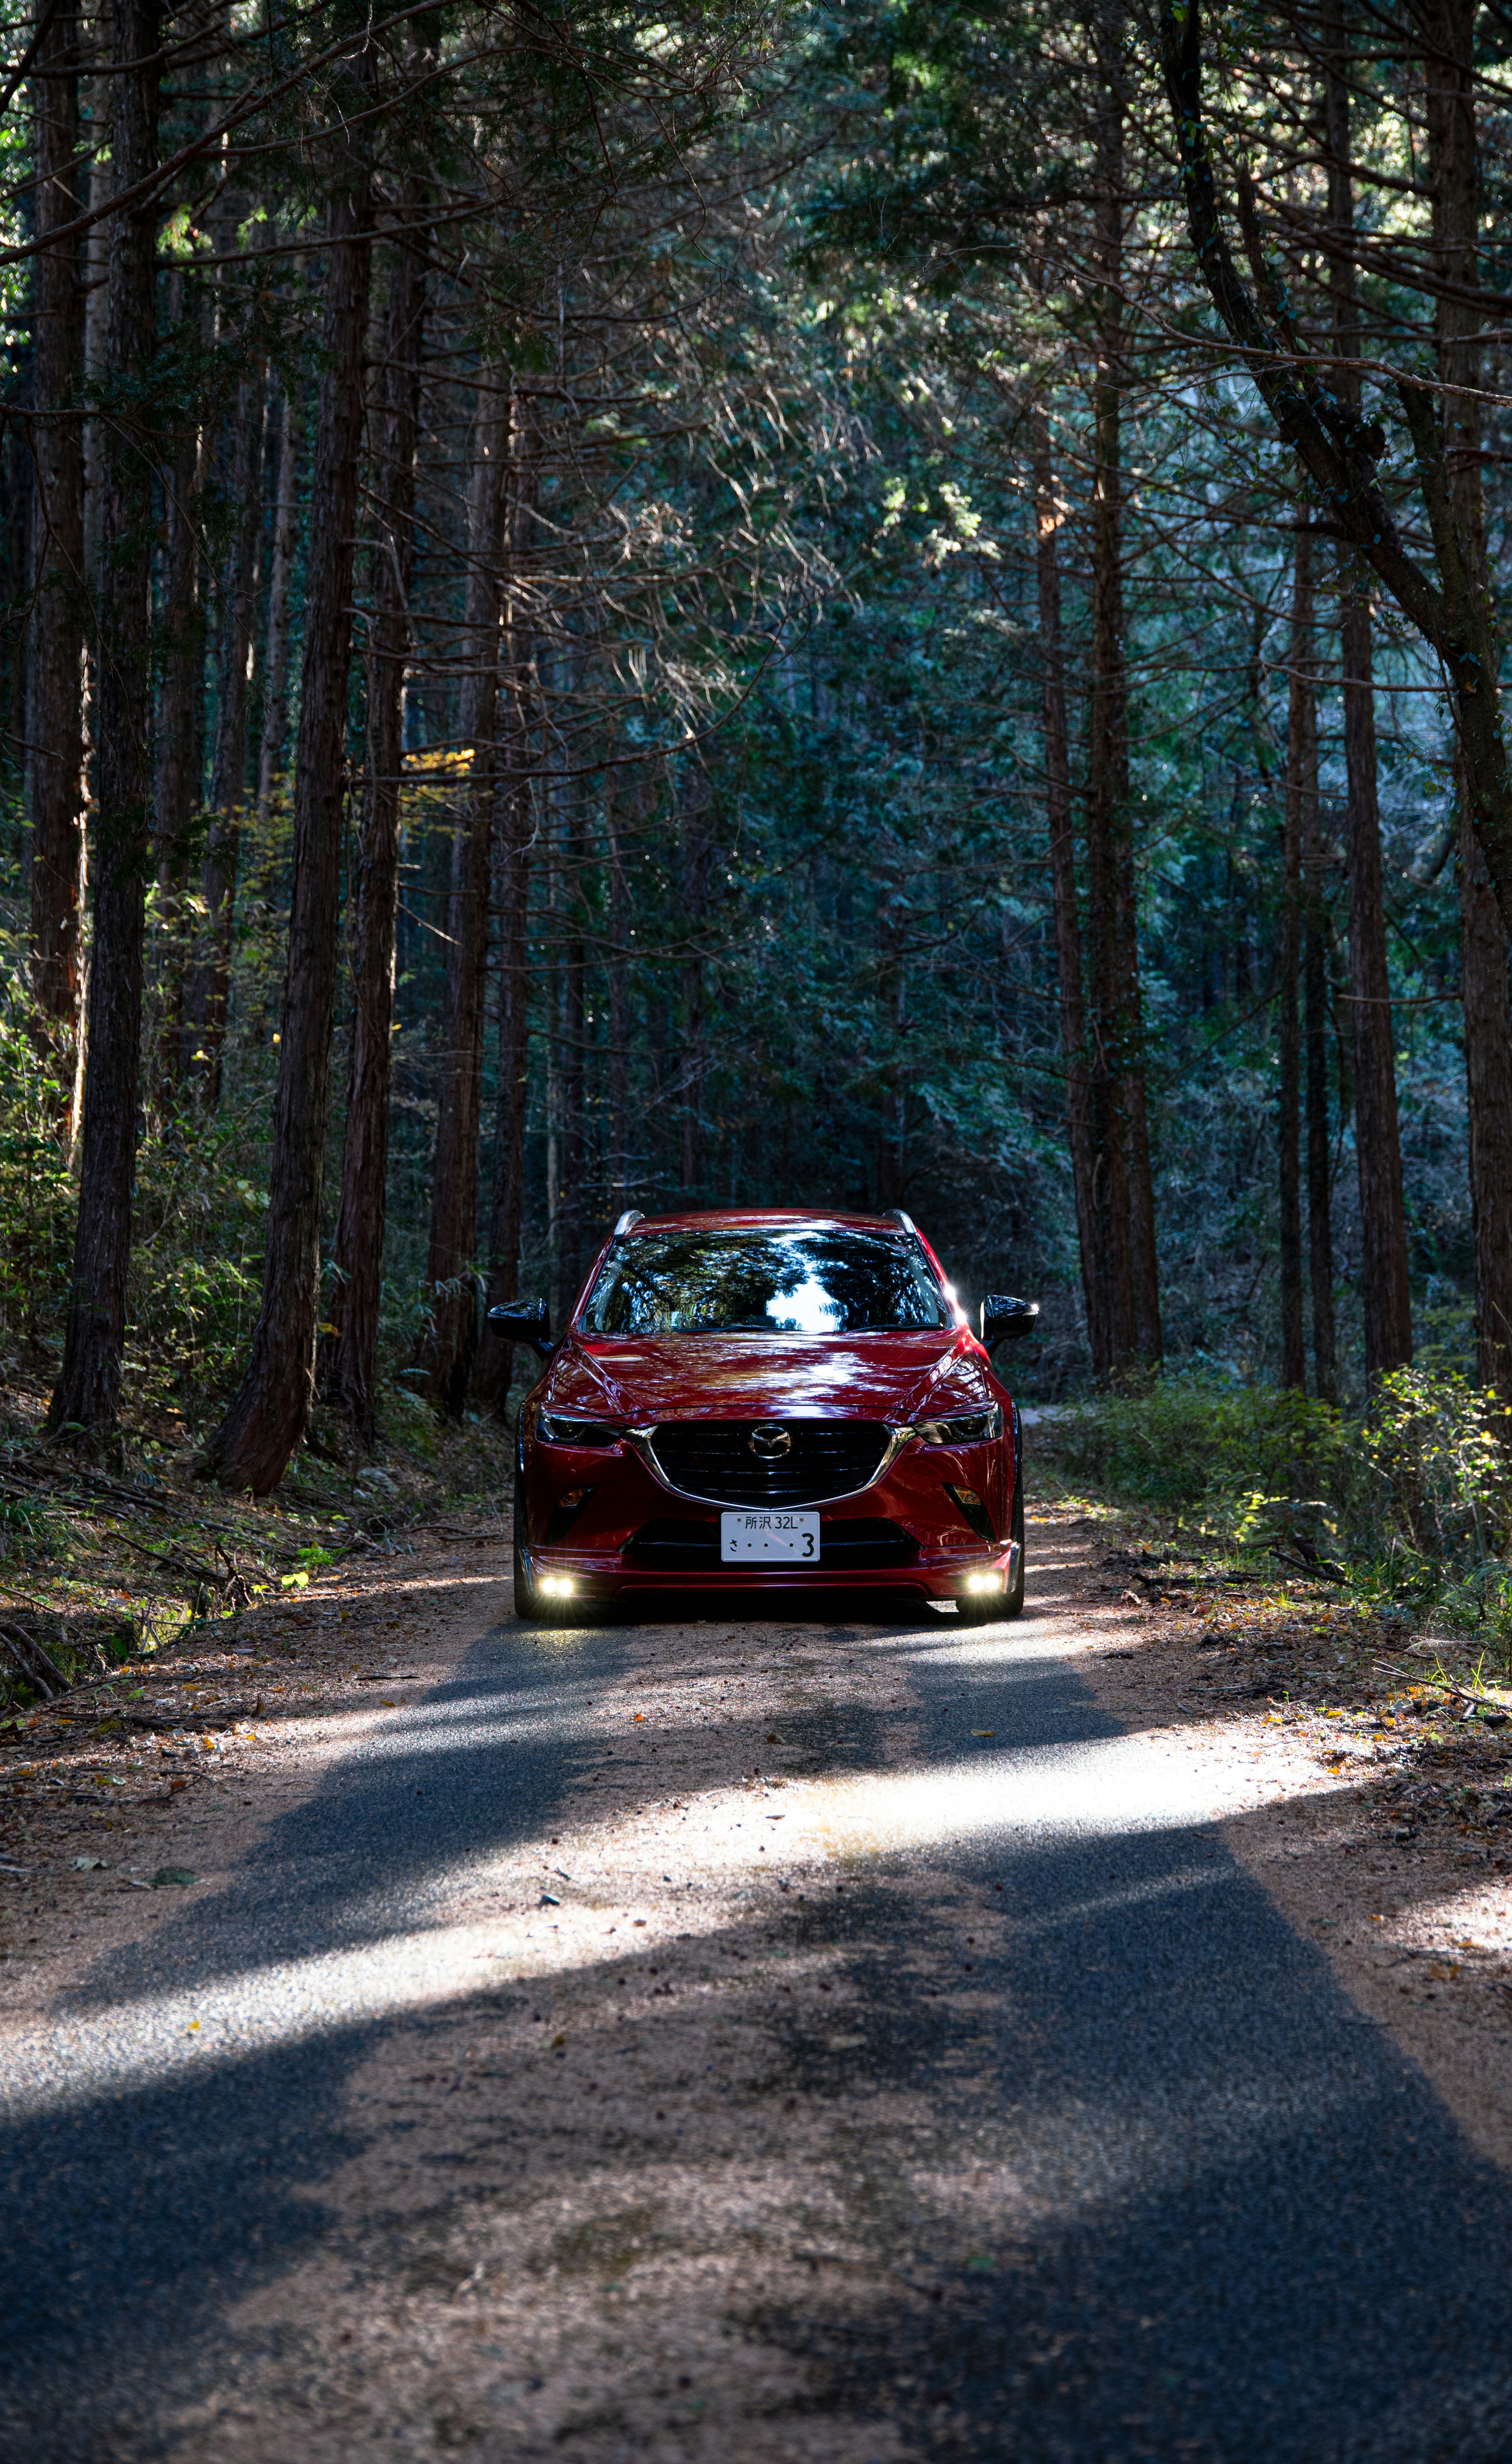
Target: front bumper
x=571, y=1573
x=907, y=1531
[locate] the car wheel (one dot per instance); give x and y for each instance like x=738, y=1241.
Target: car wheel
x=529, y=1607
x=1014, y=1597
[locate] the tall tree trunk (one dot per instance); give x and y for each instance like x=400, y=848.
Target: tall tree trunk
x=1316, y=952
x=451, y=1264
x=619, y=929
x=1488, y=1075
x=1448, y=34
x=228, y=795
x=359, y=1248
x=1048, y=518
x=276, y=655
x=572, y=1224
x=506, y=1211
x=694, y=856
x=1123, y=1195
x=54, y=726
x=251, y=1451
x=1384, y=1292
x=1384, y=1289
x=1299, y=731
x=180, y=735
x=86, y=1398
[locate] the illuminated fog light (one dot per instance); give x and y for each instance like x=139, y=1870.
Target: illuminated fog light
x=989, y=1582
x=558, y=1586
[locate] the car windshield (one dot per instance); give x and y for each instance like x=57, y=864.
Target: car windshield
x=763, y=1283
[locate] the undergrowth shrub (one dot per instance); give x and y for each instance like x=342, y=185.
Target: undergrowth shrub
x=1410, y=1501
x=1199, y=1445
x=1429, y=1507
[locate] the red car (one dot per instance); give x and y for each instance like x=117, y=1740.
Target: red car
x=771, y=1401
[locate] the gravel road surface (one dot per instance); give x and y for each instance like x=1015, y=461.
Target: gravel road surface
x=822, y=2041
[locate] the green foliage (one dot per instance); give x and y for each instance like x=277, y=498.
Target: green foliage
x=1429, y=1502
x=1199, y=1445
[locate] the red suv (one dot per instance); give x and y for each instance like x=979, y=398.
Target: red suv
x=771, y=1401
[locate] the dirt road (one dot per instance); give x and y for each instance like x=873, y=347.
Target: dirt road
x=725, y=2040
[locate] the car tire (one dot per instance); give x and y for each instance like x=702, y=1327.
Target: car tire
x=529, y=1607
x=1013, y=1604
x=984, y=1608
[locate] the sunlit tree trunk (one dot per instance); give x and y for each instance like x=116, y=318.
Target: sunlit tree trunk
x=1316, y=951
x=358, y=1255
x=512, y=899
x=251, y=1448
x=452, y=1260
x=86, y=1398
x=1288, y=1126
x=1384, y=1289
x=55, y=726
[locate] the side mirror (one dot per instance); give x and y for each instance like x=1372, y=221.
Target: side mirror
x=1004, y=1319
x=524, y=1322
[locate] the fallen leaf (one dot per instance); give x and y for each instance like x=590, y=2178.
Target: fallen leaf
x=172, y=1874
x=89, y=1865
x=984, y=1732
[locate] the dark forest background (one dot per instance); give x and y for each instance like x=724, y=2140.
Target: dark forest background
x=859, y=605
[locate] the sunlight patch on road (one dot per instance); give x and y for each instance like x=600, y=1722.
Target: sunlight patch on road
x=726, y=1845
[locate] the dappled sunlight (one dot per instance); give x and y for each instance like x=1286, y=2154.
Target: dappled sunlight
x=626, y=1886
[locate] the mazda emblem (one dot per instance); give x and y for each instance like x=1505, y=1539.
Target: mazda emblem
x=771, y=1442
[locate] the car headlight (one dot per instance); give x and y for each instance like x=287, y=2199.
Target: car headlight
x=966, y=1429
x=559, y=1429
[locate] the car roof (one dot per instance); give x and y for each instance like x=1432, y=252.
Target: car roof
x=747, y=1218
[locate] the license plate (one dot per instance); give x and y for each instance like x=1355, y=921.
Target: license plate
x=769, y=1537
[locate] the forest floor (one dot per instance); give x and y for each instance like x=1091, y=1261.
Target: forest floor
x=791, y=2039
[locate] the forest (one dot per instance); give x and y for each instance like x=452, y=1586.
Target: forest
x=840, y=603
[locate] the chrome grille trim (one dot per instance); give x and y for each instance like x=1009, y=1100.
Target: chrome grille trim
x=779, y=1491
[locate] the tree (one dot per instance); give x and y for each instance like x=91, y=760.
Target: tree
x=267, y=1419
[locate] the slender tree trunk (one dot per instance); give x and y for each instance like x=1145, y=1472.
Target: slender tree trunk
x=101, y=90
x=1447, y=32
x=1122, y=1188
x=1386, y=1292
x=572, y=1227
x=618, y=1013
x=1063, y=879
x=1488, y=1073
x=695, y=853
x=1316, y=952
x=507, y=1212
x=1384, y=1289
x=55, y=726
x=228, y=795
x=180, y=739
x=86, y=1398
x=276, y=658
x=1300, y=725
x=359, y=1250
x=251, y=1448
x=451, y=1266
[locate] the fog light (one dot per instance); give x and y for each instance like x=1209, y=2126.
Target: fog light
x=558, y=1586
x=992, y=1581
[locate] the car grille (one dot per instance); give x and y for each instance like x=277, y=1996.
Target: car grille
x=674, y=1548
x=713, y=1460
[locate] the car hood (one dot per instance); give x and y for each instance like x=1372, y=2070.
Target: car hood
x=644, y=1379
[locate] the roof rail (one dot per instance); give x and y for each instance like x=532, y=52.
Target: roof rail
x=895, y=1215
x=632, y=1214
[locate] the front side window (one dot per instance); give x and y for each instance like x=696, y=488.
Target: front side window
x=763, y=1283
